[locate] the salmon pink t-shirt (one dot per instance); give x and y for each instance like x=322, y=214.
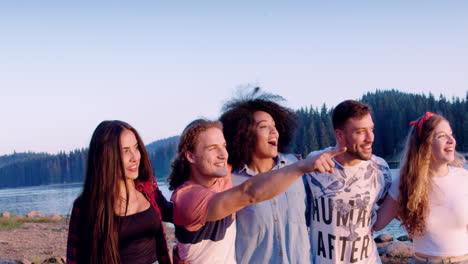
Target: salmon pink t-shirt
x=198, y=240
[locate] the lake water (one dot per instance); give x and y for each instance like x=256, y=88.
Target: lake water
x=59, y=199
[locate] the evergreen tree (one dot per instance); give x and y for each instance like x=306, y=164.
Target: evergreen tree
x=392, y=111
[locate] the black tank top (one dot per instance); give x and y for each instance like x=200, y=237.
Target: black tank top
x=137, y=236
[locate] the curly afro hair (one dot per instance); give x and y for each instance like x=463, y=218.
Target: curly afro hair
x=238, y=124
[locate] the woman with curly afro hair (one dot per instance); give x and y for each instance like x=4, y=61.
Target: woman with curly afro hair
x=257, y=131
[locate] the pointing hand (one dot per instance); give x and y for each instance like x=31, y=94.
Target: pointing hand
x=323, y=162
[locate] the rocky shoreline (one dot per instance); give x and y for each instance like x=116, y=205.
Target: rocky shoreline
x=393, y=251
x=46, y=242
x=37, y=239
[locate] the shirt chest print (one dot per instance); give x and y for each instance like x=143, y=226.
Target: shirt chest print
x=343, y=227
x=342, y=211
x=345, y=210
x=330, y=185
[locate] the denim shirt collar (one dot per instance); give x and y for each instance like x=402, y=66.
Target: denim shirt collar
x=280, y=162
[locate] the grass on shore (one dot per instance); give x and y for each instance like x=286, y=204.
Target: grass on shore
x=16, y=221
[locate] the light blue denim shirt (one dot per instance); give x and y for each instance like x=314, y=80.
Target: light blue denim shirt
x=273, y=231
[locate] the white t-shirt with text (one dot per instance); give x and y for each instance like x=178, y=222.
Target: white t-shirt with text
x=343, y=208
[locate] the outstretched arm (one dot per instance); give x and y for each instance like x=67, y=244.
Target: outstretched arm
x=387, y=211
x=267, y=185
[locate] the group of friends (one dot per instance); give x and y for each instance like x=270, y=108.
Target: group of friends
x=239, y=197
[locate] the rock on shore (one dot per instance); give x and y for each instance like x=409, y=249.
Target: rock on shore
x=394, y=251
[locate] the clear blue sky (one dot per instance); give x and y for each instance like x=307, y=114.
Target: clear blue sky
x=66, y=66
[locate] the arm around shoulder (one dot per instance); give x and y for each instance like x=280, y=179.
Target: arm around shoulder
x=166, y=207
x=386, y=212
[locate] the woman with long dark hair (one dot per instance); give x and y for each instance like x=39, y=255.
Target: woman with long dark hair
x=431, y=193
x=118, y=216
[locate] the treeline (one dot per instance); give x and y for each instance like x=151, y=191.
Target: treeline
x=393, y=110
x=30, y=169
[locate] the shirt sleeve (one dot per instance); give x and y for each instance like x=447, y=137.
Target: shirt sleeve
x=386, y=177
x=164, y=205
x=191, y=206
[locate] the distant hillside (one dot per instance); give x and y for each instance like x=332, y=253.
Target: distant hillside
x=163, y=143
x=393, y=110
x=161, y=153
x=30, y=169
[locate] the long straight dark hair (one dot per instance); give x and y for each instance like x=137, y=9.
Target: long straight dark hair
x=98, y=237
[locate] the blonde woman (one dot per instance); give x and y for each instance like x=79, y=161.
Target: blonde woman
x=430, y=197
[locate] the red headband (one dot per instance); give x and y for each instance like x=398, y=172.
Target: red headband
x=421, y=121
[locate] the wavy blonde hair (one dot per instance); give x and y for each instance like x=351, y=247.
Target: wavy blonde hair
x=415, y=182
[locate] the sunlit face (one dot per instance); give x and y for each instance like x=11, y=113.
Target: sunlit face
x=130, y=154
x=357, y=136
x=209, y=158
x=267, y=135
x=443, y=143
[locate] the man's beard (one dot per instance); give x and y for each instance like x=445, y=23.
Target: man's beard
x=359, y=155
